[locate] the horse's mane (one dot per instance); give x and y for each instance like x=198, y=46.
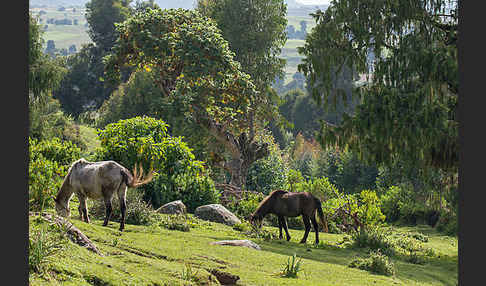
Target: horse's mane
x=265, y=203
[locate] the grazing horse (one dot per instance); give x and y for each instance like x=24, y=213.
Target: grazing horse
x=287, y=204
x=97, y=180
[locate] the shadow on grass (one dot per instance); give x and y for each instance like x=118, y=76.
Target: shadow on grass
x=440, y=271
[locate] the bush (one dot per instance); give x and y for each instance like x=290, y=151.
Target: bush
x=145, y=140
x=135, y=140
x=376, y=263
x=268, y=173
x=193, y=190
x=246, y=206
x=374, y=238
x=64, y=153
x=322, y=188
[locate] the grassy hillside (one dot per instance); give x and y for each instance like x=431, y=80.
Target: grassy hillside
x=155, y=255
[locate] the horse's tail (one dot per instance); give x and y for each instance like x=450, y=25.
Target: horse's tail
x=320, y=213
x=135, y=180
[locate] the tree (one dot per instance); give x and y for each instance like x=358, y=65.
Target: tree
x=101, y=16
x=408, y=109
x=255, y=31
x=45, y=74
x=194, y=68
x=83, y=87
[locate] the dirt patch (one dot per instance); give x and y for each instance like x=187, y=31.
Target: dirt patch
x=224, y=278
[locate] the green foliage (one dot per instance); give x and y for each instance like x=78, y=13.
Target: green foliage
x=269, y=173
x=413, y=53
x=179, y=175
x=294, y=177
x=244, y=207
x=255, y=32
x=63, y=153
x=49, y=161
x=369, y=210
x=135, y=140
x=320, y=187
x=374, y=238
x=376, y=263
x=45, y=74
x=173, y=222
x=187, y=185
x=170, y=42
x=292, y=268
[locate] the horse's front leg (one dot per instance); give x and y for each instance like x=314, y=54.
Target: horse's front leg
x=83, y=208
x=280, y=236
x=284, y=223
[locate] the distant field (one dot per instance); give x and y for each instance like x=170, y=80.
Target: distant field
x=64, y=35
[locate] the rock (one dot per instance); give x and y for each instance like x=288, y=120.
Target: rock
x=175, y=207
x=216, y=213
x=241, y=242
x=225, y=278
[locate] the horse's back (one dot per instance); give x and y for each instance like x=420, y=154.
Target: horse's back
x=91, y=178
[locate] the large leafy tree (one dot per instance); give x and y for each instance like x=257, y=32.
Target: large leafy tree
x=408, y=108
x=255, y=31
x=191, y=63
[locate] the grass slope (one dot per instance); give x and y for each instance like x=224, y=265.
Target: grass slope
x=154, y=255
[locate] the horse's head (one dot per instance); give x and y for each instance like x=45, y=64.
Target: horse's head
x=61, y=209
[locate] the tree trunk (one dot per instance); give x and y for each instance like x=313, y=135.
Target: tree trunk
x=243, y=150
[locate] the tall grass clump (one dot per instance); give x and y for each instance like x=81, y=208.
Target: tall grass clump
x=376, y=262
x=44, y=244
x=292, y=267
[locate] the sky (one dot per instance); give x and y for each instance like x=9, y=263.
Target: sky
x=314, y=2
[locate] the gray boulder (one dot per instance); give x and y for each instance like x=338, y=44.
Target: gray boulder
x=175, y=207
x=216, y=213
x=240, y=242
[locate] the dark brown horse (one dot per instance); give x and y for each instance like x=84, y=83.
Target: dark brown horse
x=287, y=204
x=97, y=180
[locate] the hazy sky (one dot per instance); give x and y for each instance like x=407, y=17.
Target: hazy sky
x=314, y=2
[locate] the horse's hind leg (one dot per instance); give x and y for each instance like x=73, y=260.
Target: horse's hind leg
x=305, y=218
x=122, y=191
x=316, y=227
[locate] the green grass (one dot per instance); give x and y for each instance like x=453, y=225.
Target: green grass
x=143, y=255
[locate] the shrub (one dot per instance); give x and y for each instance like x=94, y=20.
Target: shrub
x=369, y=210
x=374, y=238
x=145, y=140
x=62, y=152
x=376, y=262
x=246, y=206
x=322, y=188
x=268, y=173
x=193, y=190
x=135, y=140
